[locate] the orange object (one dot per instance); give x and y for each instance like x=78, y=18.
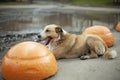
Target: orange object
x=103, y=32
x=28, y=61
x=118, y=27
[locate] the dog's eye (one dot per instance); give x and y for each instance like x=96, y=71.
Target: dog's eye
x=47, y=30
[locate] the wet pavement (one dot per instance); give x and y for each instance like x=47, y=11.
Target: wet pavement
x=24, y=23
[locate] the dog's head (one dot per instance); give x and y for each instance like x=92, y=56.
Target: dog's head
x=51, y=32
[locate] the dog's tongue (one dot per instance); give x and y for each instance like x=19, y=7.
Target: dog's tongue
x=47, y=41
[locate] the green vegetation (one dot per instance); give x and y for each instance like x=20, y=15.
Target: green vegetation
x=94, y=3
x=99, y=3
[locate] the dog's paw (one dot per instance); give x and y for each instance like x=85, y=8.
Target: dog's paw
x=84, y=57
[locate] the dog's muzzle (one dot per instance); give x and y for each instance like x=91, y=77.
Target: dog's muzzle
x=45, y=41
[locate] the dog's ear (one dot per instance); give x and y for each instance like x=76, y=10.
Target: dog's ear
x=60, y=32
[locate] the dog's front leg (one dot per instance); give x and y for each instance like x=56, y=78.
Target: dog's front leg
x=57, y=56
x=71, y=56
x=58, y=53
x=89, y=56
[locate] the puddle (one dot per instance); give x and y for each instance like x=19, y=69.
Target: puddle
x=17, y=25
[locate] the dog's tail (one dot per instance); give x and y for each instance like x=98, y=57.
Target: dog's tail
x=110, y=54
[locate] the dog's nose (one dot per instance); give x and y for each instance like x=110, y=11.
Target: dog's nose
x=39, y=36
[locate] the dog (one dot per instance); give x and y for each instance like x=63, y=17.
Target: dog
x=66, y=45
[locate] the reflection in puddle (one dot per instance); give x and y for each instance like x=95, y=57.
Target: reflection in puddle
x=78, y=22
x=17, y=20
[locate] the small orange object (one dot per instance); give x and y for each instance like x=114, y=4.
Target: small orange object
x=103, y=32
x=118, y=27
x=28, y=61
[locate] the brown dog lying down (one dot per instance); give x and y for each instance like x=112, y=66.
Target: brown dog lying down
x=66, y=45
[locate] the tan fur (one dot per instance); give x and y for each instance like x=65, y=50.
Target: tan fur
x=72, y=46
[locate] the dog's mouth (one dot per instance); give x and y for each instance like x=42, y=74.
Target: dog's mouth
x=47, y=40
